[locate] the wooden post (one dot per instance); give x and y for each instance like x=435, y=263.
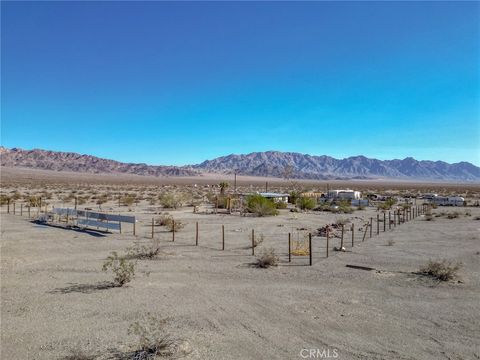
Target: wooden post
x=365, y=233
x=153, y=227
x=135, y=227
x=173, y=230
x=371, y=226
x=389, y=221
x=328, y=240
x=196, y=233
x=223, y=237
x=353, y=234
x=216, y=204
x=8, y=206
x=384, y=222
x=75, y=203
x=29, y=206
x=67, y=218
x=14, y=208
x=119, y=225
x=310, y=247
x=21, y=209
x=378, y=224
x=341, y=241
x=289, y=247
x=253, y=242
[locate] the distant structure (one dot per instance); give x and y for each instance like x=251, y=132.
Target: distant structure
x=344, y=195
x=447, y=200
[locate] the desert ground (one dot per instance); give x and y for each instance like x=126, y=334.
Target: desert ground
x=56, y=302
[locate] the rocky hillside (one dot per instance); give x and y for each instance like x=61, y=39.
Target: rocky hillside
x=295, y=165
x=270, y=163
x=67, y=161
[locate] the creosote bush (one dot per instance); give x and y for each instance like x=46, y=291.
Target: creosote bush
x=266, y=259
x=441, y=270
x=306, y=203
x=123, y=270
x=261, y=206
x=170, y=201
x=153, y=340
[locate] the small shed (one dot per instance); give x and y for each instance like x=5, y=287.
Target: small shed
x=275, y=197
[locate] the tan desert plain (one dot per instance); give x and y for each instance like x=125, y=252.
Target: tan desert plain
x=395, y=279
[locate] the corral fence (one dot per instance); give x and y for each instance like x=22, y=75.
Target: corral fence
x=294, y=244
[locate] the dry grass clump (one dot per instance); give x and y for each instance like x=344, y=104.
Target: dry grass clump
x=441, y=269
x=453, y=215
x=266, y=259
x=153, y=341
x=123, y=270
x=139, y=251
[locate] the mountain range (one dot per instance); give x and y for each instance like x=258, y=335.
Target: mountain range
x=270, y=164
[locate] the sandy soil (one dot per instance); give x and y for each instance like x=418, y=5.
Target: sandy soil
x=223, y=308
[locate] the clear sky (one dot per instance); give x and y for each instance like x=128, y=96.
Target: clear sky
x=178, y=83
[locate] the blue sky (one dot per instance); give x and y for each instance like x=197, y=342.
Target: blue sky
x=178, y=83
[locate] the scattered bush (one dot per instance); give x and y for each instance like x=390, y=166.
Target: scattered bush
x=441, y=270
x=258, y=240
x=453, y=215
x=170, y=201
x=139, y=251
x=127, y=200
x=123, y=269
x=174, y=225
x=387, y=205
x=280, y=205
x=267, y=259
x=261, y=206
x=390, y=242
x=306, y=203
x=152, y=338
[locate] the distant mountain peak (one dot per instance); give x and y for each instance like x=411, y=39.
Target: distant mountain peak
x=270, y=163
x=306, y=166
x=74, y=162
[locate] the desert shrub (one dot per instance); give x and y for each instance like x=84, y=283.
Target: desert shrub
x=34, y=201
x=139, y=251
x=468, y=213
x=128, y=200
x=4, y=199
x=170, y=201
x=476, y=218
x=280, y=205
x=123, y=270
x=266, y=259
x=306, y=203
x=176, y=225
x=293, y=197
x=453, y=215
x=163, y=219
x=344, y=207
x=387, y=204
x=390, y=242
x=441, y=270
x=261, y=206
x=153, y=341
x=258, y=240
